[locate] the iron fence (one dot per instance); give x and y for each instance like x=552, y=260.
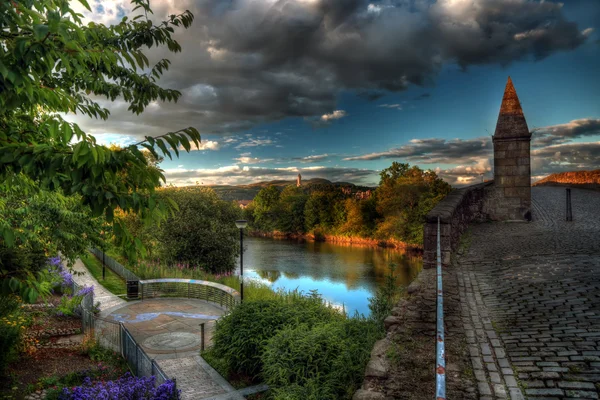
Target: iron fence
x=116, y=337
x=114, y=266
x=211, y=292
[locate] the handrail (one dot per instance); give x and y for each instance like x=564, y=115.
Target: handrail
x=440, y=351
x=213, y=292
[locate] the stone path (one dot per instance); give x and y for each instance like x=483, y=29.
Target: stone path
x=195, y=378
x=106, y=299
x=530, y=301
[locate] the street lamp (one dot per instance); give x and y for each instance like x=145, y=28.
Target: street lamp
x=241, y=224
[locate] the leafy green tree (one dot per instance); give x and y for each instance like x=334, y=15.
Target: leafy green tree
x=291, y=210
x=266, y=205
x=50, y=65
x=404, y=197
x=202, y=233
x=324, y=209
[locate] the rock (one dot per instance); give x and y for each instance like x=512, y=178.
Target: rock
x=377, y=368
x=362, y=394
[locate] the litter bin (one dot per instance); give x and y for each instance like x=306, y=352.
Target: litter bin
x=133, y=289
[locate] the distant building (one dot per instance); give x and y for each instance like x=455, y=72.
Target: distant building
x=299, y=181
x=243, y=203
x=363, y=195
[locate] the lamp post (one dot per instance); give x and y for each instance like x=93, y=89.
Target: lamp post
x=241, y=224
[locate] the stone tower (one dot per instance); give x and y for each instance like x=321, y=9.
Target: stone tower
x=512, y=165
x=299, y=181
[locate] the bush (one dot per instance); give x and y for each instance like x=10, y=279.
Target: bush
x=10, y=329
x=326, y=361
x=240, y=337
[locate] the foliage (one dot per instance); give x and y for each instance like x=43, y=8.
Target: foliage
x=10, y=329
x=112, y=282
x=395, y=210
x=240, y=336
x=325, y=361
x=70, y=305
x=386, y=297
x=202, y=234
x=127, y=387
x=52, y=64
x=404, y=197
x=265, y=208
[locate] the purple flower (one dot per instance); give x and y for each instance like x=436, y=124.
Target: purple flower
x=127, y=387
x=85, y=291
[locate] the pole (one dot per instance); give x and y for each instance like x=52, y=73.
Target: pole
x=103, y=265
x=569, y=210
x=242, y=263
x=202, y=336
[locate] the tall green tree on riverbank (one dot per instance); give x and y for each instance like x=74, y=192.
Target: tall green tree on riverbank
x=52, y=64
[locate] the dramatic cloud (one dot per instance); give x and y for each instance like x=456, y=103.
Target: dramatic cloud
x=204, y=145
x=248, y=61
x=234, y=174
x=562, y=133
x=553, y=150
x=434, y=151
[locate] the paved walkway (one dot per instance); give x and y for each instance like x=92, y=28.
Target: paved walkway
x=106, y=299
x=168, y=330
x=530, y=301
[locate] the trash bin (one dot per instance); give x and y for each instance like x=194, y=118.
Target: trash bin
x=133, y=289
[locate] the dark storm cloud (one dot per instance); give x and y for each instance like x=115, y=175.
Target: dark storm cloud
x=246, y=62
x=562, y=133
x=434, y=151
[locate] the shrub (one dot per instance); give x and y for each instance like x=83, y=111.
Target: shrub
x=326, y=361
x=10, y=329
x=386, y=297
x=127, y=387
x=240, y=336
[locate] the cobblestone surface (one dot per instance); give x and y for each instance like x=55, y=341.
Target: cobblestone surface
x=530, y=301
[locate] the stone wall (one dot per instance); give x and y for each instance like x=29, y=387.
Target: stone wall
x=512, y=177
x=456, y=211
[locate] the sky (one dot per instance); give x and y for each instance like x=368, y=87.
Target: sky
x=339, y=89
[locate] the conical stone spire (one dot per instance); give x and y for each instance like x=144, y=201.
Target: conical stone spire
x=511, y=121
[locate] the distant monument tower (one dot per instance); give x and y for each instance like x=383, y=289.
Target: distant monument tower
x=512, y=164
x=299, y=181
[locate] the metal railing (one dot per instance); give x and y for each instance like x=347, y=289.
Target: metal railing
x=440, y=350
x=215, y=293
x=115, y=336
x=114, y=266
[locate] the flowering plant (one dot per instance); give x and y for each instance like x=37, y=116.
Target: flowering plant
x=127, y=387
x=64, y=277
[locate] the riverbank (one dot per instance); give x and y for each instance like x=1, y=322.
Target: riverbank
x=352, y=240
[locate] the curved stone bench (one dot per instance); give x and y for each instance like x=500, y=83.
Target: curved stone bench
x=212, y=292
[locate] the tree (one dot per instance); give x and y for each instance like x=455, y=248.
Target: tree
x=405, y=196
x=51, y=64
x=202, y=233
x=265, y=208
x=291, y=210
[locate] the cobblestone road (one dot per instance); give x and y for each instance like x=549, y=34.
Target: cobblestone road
x=530, y=298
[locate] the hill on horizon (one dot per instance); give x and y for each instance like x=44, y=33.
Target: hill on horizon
x=585, y=179
x=249, y=191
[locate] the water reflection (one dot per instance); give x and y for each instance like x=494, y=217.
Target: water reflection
x=344, y=274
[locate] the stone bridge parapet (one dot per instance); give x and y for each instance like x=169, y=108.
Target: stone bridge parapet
x=456, y=211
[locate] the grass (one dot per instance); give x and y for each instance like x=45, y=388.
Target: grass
x=113, y=282
x=252, y=290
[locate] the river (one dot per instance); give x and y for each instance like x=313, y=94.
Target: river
x=344, y=275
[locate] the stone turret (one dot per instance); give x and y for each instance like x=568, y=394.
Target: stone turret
x=299, y=181
x=512, y=164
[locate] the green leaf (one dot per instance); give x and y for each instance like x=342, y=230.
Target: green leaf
x=40, y=31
